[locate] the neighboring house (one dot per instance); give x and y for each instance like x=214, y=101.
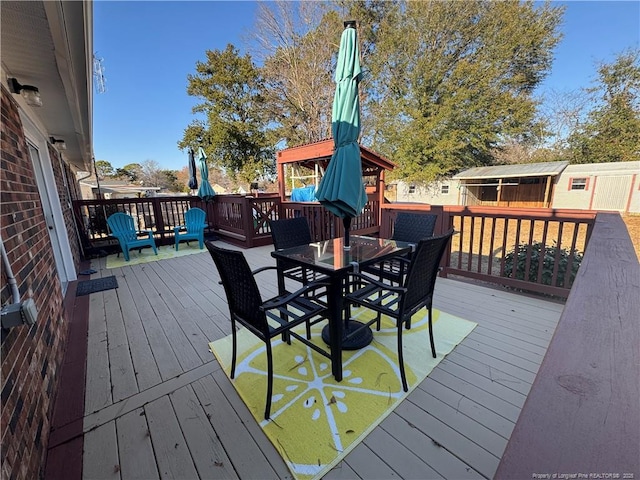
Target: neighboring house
x=107, y=189
x=600, y=186
x=442, y=192
x=47, y=45
x=594, y=186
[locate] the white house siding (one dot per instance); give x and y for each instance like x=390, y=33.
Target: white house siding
x=608, y=187
x=431, y=194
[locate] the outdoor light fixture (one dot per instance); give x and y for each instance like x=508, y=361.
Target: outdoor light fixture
x=59, y=144
x=30, y=93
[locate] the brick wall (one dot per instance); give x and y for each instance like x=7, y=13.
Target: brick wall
x=31, y=356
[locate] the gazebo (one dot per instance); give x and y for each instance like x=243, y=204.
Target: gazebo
x=316, y=156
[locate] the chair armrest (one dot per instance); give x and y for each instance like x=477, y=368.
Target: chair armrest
x=279, y=301
x=379, y=284
x=262, y=269
x=148, y=232
x=178, y=228
x=254, y=272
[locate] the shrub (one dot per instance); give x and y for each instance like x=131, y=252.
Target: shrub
x=519, y=255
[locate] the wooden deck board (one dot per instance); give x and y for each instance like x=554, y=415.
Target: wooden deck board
x=488, y=398
x=100, y=459
x=367, y=464
x=391, y=451
x=471, y=408
x=242, y=449
x=146, y=369
x=123, y=378
x=442, y=461
x=137, y=460
x=98, y=382
x=207, y=452
x=172, y=453
x=455, y=425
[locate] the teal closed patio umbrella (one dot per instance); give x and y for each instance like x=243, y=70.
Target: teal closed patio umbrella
x=341, y=190
x=205, y=192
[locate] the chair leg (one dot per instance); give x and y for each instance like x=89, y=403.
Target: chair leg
x=177, y=244
x=433, y=345
x=403, y=375
x=233, y=350
x=125, y=252
x=267, y=410
x=379, y=314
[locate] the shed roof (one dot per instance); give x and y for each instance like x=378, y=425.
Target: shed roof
x=511, y=171
x=609, y=168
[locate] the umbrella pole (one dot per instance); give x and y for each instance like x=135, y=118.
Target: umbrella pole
x=346, y=221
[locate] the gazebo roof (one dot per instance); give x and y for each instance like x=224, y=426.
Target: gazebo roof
x=320, y=152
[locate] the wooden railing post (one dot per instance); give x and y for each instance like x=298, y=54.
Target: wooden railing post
x=247, y=221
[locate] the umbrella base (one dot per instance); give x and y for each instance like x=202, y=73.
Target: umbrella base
x=356, y=342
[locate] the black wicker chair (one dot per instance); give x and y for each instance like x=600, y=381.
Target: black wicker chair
x=293, y=232
x=408, y=227
x=265, y=319
x=401, y=303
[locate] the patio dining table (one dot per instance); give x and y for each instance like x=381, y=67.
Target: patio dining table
x=330, y=258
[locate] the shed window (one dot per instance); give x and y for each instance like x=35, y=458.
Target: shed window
x=412, y=189
x=444, y=189
x=578, y=184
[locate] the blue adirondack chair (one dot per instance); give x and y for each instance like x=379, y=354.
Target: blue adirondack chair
x=193, y=229
x=124, y=229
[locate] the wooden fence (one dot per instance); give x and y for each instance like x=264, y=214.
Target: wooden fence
x=533, y=249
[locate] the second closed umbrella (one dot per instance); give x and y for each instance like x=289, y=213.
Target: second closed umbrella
x=205, y=192
x=193, y=180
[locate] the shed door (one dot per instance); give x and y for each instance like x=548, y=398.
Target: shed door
x=611, y=193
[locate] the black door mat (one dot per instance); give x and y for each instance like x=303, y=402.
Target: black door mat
x=96, y=285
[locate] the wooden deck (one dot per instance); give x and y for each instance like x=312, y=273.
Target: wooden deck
x=158, y=405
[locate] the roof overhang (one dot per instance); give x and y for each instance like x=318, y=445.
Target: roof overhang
x=320, y=152
x=544, y=169
x=49, y=44
x=107, y=188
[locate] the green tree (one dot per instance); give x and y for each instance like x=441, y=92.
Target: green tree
x=452, y=81
x=234, y=129
x=297, y=44
x=130, y=172
x=169, y=180
x=611, y=131
x=104, y=169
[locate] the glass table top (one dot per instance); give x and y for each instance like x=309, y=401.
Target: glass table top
x=330, y=255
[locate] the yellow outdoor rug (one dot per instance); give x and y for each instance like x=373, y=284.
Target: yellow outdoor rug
x=147, y=255
x=316, y=421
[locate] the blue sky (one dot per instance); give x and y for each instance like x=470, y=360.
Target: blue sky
x=150, y=47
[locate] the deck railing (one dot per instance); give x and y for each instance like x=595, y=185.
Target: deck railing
x=487, y=240
x=503, y=246
x=582, y=416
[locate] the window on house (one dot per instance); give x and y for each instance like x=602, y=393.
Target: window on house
x=444, y=189
x=412, y=189
x=578, y=184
